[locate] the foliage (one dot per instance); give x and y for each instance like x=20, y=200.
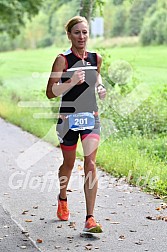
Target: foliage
x=118, y=2
x=44, y=42
x=6, y=42
x=56, y=20
x=35, y=33
x=108, y=17
x=154, y=30
x=119, y=22
x=84, y=8
x=161, y=188
x=12, y=14
x=136, y=15
x=148, y=118
x=52, y=7
x=121, y=18
x=88, y=8
x=120, y=72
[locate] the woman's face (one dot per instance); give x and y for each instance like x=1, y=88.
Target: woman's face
x=79, y=35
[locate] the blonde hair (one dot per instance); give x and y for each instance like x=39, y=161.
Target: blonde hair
x=73, y=21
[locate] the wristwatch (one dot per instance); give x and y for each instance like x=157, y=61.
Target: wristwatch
x=100, y=85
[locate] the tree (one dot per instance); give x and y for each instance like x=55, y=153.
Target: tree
x=119, y=22
x=57, y=20
x=154, y=30
x=12, y=14
x=121, y=2
x=118, y=2
x=51, y=7
x=88, y=8
x=45, y=28
x=136, y=15
x=108, y=19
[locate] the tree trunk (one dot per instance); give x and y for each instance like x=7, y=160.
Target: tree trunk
x=86, y=9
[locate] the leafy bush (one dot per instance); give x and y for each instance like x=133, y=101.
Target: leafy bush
x=146, y=117
x=117, y=2
x=154, y=29
x=5, y=42
x=119, y=22
x=149, y=118
x=47, y=41
x=136, y=15
x=120, y=72
x=124, y=106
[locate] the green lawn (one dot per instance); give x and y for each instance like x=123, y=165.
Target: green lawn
x=148, y=62
x=24, y=77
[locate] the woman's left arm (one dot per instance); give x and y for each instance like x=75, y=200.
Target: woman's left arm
x=101, y=90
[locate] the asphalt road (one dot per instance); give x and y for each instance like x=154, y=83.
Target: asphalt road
x=28, y=203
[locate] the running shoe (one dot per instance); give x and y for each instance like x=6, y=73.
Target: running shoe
x=92, y=227
x=63, y=212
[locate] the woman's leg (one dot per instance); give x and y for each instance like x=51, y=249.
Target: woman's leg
x=68, y=144
x=65, y=170
x=90, y=146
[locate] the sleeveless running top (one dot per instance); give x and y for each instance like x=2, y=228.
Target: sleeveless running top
x=80, y=98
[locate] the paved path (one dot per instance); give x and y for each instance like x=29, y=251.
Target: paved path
x=28, y=191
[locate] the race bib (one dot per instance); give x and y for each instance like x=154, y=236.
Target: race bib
x=81, y=121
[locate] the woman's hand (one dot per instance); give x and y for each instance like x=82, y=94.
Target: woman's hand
x=78, y=77
x=101, y=91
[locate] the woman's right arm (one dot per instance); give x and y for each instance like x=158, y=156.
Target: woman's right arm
x=54, y=88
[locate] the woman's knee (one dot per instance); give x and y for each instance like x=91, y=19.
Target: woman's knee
x=69, y=164
x=69, y=159
x=90, y=165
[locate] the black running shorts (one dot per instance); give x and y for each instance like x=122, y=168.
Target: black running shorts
x=69, y=138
